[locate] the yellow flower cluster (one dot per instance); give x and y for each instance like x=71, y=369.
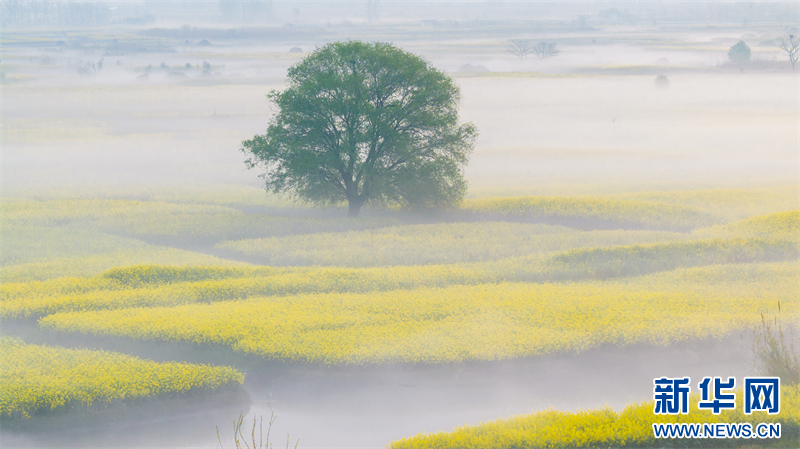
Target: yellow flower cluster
x=635, y=260
x=25, y=300
x=642, y=213
x=36, y=378
x=173, y=222
x=83, y=265
x=151, y=285
x=782, y=225
x=146, y=275
x=434, y=244
x=601, y=428
x=732, y=204
x=456, y=323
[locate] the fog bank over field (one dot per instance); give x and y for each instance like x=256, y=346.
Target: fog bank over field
x=590, y=115
x=669, y=173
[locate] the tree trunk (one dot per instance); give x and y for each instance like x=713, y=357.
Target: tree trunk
x=355, y=208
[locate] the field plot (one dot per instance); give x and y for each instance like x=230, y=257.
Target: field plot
x=485, y=322
x=630, y=427
x=40, y=379
x=616, y=228
x=158, y=286
x=433, y=244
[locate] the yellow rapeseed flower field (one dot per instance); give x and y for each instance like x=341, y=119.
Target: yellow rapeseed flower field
x=434, y=244
x=35, y=378
x=602, y=428
x=150, y=286
x=638, y=213
x=782, y=225
x=731, y=204
x=458, y=323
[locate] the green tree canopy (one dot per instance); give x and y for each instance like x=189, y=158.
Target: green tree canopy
x=740, y=52
x=365, y=122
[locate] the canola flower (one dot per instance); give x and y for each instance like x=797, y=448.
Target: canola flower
x=146, y=275
x=70, y=266
x=433, y=244
x=781, y=225
x=79, y=237
x=626, y=212
x=167, y=222
x=151, y=286
x=603, y=428
x=129, y=277
x=730, y=204
x=456, y=323
x=37, y=378
x=634, y=260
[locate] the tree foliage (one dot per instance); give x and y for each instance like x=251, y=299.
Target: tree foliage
x=365, y=122
x=739, y=52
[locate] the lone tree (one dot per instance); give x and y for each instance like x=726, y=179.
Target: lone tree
x=791, y=45
x=545, y=50
x=365, y=122
x=520, y=47
x=739, y=52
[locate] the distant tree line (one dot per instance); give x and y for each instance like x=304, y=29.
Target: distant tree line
x=23, y=13
x=246, y=11
x=525, y=47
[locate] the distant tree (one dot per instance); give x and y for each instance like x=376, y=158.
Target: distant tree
x=365, y=122
x=740, y=52
x=545, y=50
x=373, y=10
x=520, y=47
x=88, y=68
x=791, y=45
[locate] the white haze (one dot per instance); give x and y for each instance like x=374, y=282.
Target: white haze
x=590, y=120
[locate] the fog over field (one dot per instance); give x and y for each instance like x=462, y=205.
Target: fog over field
x=121, y=131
